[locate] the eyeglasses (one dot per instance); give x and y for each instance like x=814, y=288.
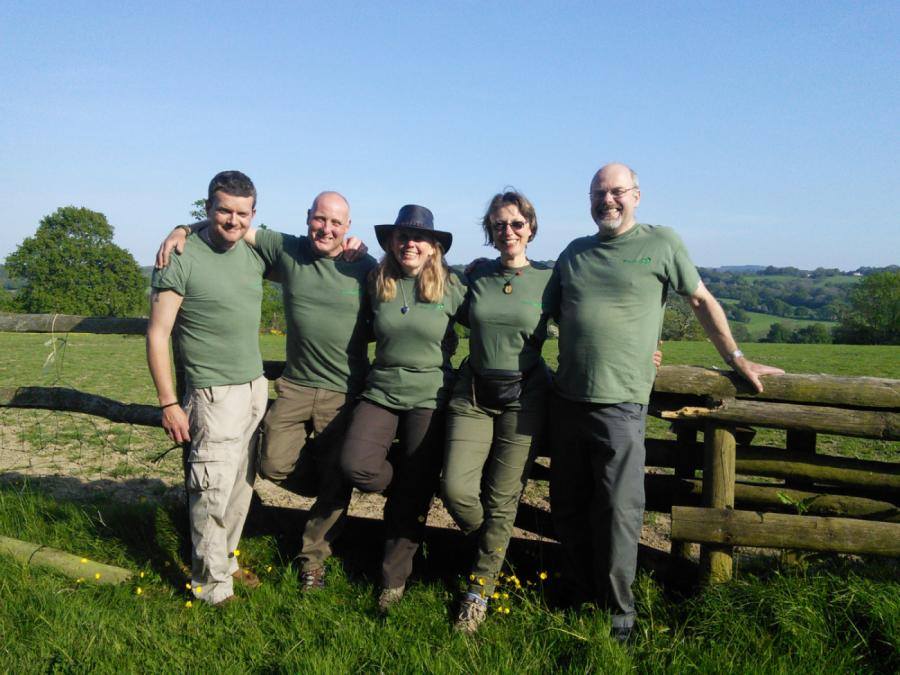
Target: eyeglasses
x=617, y=193
x=501, y=225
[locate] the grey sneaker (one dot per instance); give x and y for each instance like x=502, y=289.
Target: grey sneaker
x=470, y=616
x=389, y=597
x=312, y=580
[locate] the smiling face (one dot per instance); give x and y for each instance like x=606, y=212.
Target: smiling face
x=412, y=250
x=328, y=221
x=510, y=232
x=614, y=199
x=229, y=218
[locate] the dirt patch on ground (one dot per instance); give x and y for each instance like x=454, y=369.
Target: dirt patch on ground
x=75, y=457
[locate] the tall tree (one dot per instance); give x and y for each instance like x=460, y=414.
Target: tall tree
x=873, y=313
x=72, y=266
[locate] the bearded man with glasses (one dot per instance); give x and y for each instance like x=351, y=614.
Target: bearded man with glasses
x=608, y=294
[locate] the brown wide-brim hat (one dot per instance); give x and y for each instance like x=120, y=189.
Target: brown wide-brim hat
x=413, y=217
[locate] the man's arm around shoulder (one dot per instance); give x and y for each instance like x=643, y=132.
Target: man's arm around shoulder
x=712, y=317
x=164, y=306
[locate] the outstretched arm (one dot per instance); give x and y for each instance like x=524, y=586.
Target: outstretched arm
x=179, y=235
x=712, y=317
x=164, y=306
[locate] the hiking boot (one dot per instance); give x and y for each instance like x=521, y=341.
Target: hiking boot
x=312, y=580
x=471, y=614
x=246, y=578
x=389, y=597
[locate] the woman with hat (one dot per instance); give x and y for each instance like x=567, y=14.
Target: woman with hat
x=496, y=413
x=414, y=298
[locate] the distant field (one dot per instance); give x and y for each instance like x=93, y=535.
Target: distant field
x=760, y=323
x=821, y=281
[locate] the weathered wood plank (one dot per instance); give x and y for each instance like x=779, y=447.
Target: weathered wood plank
x=864, y=392
x=68, y=323
x=777, y=530
x=72, y=400
x=71, y=565
x=821, y=419
x=760, y=460
x=664, y=492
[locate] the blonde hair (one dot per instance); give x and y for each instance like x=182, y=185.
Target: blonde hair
x=431, y=282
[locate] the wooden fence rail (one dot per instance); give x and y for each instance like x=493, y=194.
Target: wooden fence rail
x=821, y=502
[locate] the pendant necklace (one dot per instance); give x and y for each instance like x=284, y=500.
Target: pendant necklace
x=405, y=308
x=508, y=287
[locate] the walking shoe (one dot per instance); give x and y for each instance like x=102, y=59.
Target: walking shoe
x=389, y=597
x=225, y=602
x=471, y=614
x=246, y=578
x=621, y=634
x=312, y=580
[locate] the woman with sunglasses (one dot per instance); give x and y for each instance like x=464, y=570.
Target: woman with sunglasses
x=414, y=298
x=496, y=414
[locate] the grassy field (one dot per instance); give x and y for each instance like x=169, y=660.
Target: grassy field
x=827, y=614
x=760, y=323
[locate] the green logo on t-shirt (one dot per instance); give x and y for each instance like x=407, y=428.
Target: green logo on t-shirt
x=638, y=261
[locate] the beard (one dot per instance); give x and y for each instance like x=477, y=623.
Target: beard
x=605, y=223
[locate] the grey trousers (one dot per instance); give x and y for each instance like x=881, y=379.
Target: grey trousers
x=487, y=459
x=597, y=496
x=220, y=475
x=302, y=435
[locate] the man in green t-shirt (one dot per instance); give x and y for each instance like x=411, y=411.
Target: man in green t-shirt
x=211, y=295
x=325, y=366
x=608, y=294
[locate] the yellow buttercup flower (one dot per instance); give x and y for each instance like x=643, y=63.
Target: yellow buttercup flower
x=496, y=595
x=506, y=610
x=138, y=590
x=79, y=580
x=142, y=575
x=83, y=561
x=189, y=604
x=505, y=596
x=97, y=575
x=237, y=552
x=480, y=581
x=471, y=577
x=543, y=576
x=188, y=585
x=199, y=590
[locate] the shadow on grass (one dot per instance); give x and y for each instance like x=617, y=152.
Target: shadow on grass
x=155, y=531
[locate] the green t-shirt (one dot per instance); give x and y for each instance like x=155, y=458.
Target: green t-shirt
x=508, y=329
x=609, y=296
x=327, y=318
x=217, y=327
x=411, y=370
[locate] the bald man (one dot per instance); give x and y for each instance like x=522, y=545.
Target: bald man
x=325, y=367
x=609, y=292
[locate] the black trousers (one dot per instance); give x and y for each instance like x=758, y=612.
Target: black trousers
x=408, y=475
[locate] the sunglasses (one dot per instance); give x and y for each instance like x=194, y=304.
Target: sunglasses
x=501, y=225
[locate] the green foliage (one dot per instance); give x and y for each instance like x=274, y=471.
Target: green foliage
x=72, y=266
x=814, y=334
x=778, y=332
x=873, y=312
x=272, y=311
x=7, y=301
x=679, y=322
x=198, y=209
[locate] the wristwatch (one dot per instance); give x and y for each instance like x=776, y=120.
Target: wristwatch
x=730, y=357
x=188, y=230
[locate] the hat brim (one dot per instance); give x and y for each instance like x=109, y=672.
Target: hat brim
x=383, y=233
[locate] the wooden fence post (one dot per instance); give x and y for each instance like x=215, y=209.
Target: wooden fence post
x=685, y=465
x=719, y=449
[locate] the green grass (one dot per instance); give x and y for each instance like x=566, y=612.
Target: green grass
x=829, y=614
x=760, y=323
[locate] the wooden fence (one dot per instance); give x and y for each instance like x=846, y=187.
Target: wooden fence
x=788, y=497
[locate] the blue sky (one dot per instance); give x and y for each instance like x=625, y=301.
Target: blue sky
x=764, y=132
